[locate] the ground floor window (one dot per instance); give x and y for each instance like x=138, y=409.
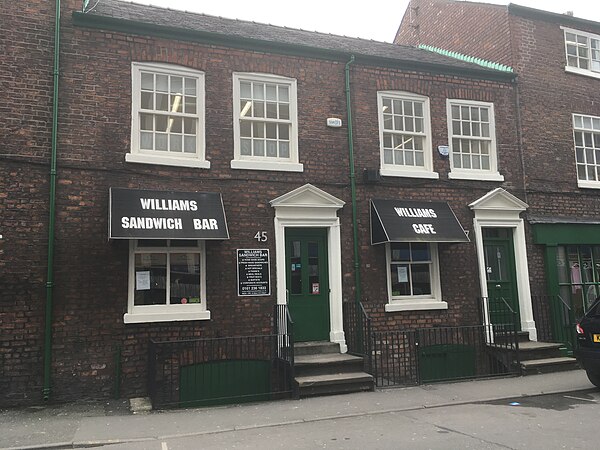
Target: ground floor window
x=578, y=275
x=166, y=281
x=413, y=276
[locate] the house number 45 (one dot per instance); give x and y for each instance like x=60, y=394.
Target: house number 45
x=261, y=236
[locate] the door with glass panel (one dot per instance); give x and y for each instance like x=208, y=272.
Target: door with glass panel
x=307, y=282
x=500, y=273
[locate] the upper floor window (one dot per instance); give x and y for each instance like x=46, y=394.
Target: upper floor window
x=586, y=132
x=472, y=139
x=167, y=116
x=405, y=135
x=265, y=123
x=166, y=281
x=583, y=52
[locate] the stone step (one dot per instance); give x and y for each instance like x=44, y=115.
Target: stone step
x=324, y=363
x=334, y=383
x=315, y=347
x=548, y=365
x=531, y=350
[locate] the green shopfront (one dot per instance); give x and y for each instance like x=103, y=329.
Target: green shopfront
x=572, y=261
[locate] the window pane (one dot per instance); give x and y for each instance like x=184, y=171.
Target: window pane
x=147, y=122
x=246, y=147
x=258, y=129
x=272, y=149
x=259, y=91
x=189, y=126
x=146, y=141
x=175, y=124
x=177, y=85
x=421, y=280
x=259, y=148
x=245, y=90
x=259, y=109
x=284, y=132
x=271, y=131
x=272, y=92
x=185, y=278
x=162, y=83
x=147, y=100
x=161, y=142
x=162, y=102
x=284, y=94
x=284, y=150
x=400, y=251
x=147, y=81
x=272, y=110
x=190, y=86
x=176, y=143
x=190, y=105
x=245, y=128
x=189, y=144
x=161, y=123
x=400, y=279
x=284, y=111
x=150, y=279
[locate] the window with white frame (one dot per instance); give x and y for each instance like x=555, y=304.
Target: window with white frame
x=586, y=133
x=405, y=135
x=166, y=281
x=582, y=52
x=413, y=276
x=472, y=139
x=265, y=123
x=167, y=116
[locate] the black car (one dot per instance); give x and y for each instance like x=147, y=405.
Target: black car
x=588, y=340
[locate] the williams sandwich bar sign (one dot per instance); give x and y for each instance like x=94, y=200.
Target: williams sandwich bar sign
x=142, y=214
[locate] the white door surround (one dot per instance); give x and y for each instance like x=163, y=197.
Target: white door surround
x=311, y=207
x=501, y=209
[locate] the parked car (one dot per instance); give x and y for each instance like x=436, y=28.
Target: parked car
x=588, y=343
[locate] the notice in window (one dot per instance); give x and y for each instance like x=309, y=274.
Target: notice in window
x=142, y=280
x=402, y=274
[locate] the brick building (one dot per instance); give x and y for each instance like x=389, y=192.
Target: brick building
x=556, y=58
x=191, y=147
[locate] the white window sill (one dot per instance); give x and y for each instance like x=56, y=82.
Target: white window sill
x=409, y=173
x=415, y=305
x=588, y=184
x=275, y=166
x=584, y=72
x=166, y=316
x=476, y=175
x=143, y=158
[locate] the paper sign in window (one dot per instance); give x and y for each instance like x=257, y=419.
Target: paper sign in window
x=402, y=274
x=142, y=280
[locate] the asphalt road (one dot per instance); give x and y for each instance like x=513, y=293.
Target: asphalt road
x=558, y=421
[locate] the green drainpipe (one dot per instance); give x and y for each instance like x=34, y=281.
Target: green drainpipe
x=357, y=282
x=52, y=206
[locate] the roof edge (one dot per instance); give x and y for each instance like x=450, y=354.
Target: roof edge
x=540, y=13
x=98, y=21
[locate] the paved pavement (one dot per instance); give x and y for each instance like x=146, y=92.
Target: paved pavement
x=86, y=424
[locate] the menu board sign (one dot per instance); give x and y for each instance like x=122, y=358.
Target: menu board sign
x=253, y=272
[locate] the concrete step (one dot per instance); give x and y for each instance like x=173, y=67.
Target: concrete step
x=334, y=383
x=324, y=363
x=548, y=365
x=539, y=350
x=315, y=348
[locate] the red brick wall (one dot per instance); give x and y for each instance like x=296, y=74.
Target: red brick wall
x=474, y=29
x=91, y=271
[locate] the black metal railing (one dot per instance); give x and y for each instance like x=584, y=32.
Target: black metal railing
x=501, y=327
x=427, y=355
x=202, y=372
x=357, y=328
x=555, y=320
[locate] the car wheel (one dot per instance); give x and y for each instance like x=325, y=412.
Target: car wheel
x=594, y=378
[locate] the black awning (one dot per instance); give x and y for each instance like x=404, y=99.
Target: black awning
x=412, y=221
x=141, y=214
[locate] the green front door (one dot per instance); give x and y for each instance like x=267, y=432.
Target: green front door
x=500, y=273
x=307, y=281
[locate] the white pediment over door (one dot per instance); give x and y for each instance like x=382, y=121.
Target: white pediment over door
x=307, y=196
x=498, y=202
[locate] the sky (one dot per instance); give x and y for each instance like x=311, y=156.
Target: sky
x=368, y=19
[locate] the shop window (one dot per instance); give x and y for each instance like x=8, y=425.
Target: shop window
x=582, y=52
x=166, y=281
x=405, y=135
x=413, y=277
x=167, y=116
x=472, y=140
x=265, y=123
x=586, y=133
x=578, y=269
